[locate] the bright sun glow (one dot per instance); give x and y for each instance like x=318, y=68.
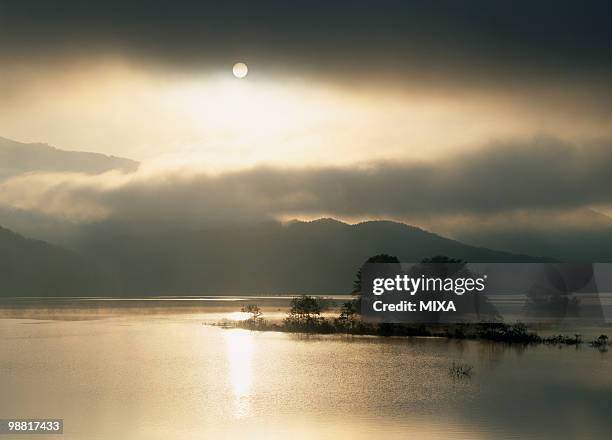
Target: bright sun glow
x=240, y=70
x=210, y=118
x=229, y=123
x=239, y=316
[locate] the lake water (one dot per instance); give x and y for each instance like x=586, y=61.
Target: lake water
x=165, y=375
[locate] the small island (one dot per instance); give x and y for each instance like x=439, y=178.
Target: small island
x=305, y=316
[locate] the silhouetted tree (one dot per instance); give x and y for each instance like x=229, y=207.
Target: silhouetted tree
x=380, y=258
x=376, y=259
x=474, y=304
x=555, y=292
x=601, y=343
x=304, y=314
x=254, y=311
x=348, y=316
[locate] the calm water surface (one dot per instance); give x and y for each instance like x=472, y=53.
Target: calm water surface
x=167, y=376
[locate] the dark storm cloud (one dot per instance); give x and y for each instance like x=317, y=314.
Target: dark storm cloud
x=507, y=39
x=543, y=174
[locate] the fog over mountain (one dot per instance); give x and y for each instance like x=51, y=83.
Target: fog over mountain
x=133, y=232
x=500, y=178
x=176, y=244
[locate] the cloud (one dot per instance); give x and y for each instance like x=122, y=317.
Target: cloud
x=543, y=174
x=125, y=77
x=479, y=40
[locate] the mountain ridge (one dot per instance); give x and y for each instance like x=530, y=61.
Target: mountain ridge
x=20, y=157
x=31, y=267
x=300, y=257
x=272, y=257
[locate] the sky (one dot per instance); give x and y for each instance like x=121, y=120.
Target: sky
x=462, y=107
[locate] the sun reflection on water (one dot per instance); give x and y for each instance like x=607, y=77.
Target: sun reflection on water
x=240, y=350
x=238, y=316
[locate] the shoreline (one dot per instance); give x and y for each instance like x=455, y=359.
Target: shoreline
x=499, y=333
x=306, y=317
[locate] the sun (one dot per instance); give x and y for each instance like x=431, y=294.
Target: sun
x=240, y=70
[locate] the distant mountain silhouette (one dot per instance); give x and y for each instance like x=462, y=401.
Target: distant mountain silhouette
x=39, y=226
x=590, y=241
x=17, y=157
x=139, y=260
x=301, y=257
x=35, y=268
